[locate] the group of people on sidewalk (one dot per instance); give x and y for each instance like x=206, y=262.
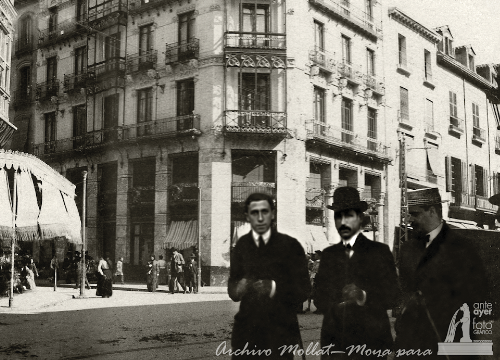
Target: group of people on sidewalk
x=356, y=283
x=180, y=275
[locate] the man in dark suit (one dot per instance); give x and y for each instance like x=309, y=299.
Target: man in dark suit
x=269, y=276
x=355, y=286
x=439, y=272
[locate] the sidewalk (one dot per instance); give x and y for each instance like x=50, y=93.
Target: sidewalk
x=66, y=298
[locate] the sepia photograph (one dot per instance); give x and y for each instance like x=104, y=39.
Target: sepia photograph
x=250, y=179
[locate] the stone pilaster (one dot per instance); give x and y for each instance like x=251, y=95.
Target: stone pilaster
x=122, y=215
x=92, y=245
x=161, y=198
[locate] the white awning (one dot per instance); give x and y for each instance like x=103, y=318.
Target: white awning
x=182, y=235
x=6, y=220
x=435, y=161
x=27, y=207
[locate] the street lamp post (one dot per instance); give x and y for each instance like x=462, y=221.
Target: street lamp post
x=83, y=272
x=13, y=244
x=199, y=239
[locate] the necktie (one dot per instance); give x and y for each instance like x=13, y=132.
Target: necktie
x=261, y=243
x=348, y=249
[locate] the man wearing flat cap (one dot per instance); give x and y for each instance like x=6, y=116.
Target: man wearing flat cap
x=439, y=272
x=356, y=284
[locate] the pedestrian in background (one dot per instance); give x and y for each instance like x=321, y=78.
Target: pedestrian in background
x=162, y=278
x=119, y=271
x=178, y=271
x=192, y=275
x=152, y=275
x=105, y=277
x=54, y=265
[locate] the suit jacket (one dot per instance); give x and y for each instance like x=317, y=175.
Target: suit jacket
x=448, y=273
x=191, y=270
x=371, y=267
x=265, y=322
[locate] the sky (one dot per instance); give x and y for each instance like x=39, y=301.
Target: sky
x=472, y=22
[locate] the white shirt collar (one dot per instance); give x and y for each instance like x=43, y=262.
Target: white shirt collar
x=266, y=236
x=434, y=233
x=352, y=240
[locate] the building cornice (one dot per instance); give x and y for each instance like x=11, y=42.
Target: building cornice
x=9, y=11
x=455, y=66
x=407, y=21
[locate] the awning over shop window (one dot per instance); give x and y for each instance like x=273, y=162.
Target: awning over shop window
x=6, y=131
x=435, y=161
x=27, y=208
x=182, y=235
x=240, y=228
x=316, y=239
x=6, y=220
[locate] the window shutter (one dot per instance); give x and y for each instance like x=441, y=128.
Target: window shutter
x=495, y=183
x=449, y=177
x=465, y=186
x=486, y=183
x=473, y=179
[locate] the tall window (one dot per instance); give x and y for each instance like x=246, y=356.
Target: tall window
x=347, y=121
x=81, y=10
x=404, y=105
x=52, y=19
x=50, y=131
x=79, y=125
x=145, y=39
x=456, y=178
x=80, y=60
x=25, y=31
x=369, y=10
x=479, y=180
x=144, y=106
x=402, y=50
x=471, y=63
x=427, y=65
x=453, y=105
x=370, y=62
x=112, y=51
x=372, y=129
x=185, y=104
x=319, y=104
x=25, y=82
x=319, y=36
x=255, y=18
x=475, y=115
x=110, y=115
x=448, y=46
x=186, y=26
x=255, y=91
x=429, y=114
x=345, y=4
x=346, y=49
x=51, y=69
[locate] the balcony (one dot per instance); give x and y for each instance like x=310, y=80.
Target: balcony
x=456, y=126
x=63, y=31
x=46, y=90
x=346, y=141
x=108, y=68
x=182, y=51
x=183, y=193
x=140, y=6
x=24, y=47
x=402, y=66
x=352, y=16
x=483, y=204
x=431, y=178
x=188, y=125
x=463, y=200
x=497, y=145
x=255, y=40
x=315, y=198
x=375, y=84
x=74, y=83
x=23, y=98
x=142, y=62
x=255, y=122
x=478, y=135
x=107, y=14
x=350, y=72
x=322, y=58
x=241, y=190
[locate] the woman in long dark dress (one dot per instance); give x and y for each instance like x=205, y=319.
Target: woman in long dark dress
x=152, y=275
x=105, y=280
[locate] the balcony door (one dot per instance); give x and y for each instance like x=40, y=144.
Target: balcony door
x=110, y=115
x=26, y=31
x=50, y=132
x=347, y=121
x=51, y=77
x=144, y=111
x=255, y=18
x=255, y=99
x=52, y=20
x=185, y=36
x=185, y=104
x=25, y=83
x=145, y=45
x=79, y=125
x=319, y=111
x=112, y=51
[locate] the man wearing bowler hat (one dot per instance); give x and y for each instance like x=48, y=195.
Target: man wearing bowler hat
x=269, y=276
x=439, y=272
x=356, y=285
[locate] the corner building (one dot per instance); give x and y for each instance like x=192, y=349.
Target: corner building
x=180, y=109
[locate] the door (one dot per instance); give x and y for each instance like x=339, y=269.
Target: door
x=110, y=121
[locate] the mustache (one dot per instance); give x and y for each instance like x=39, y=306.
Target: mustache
x=343, y=227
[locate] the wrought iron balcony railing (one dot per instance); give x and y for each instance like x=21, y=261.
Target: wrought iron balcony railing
x=23, y=97
x=24, y=46
x=350, y=71
x=182, y=51
x=139, y=6
x=188, y=125
x=114, y=12
x=108, y=68
x=255, y=40
x=44, y=91
x=255, y=121
x=482, y=203
x=323, y=59
x=456, y=125
x=345, y=139
x=183, y=193
x=63, y=31
x=241, y=190
x=315, y=198
x=352, y=15
x=76, y=82
x=142, y=62
x=374, y=83
x=463, y=199
x=478, y=134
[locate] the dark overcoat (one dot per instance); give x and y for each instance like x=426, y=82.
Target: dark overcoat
x=264, y=322
x=448, y=273
x=371, y=267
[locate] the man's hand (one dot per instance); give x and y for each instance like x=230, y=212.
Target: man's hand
x=242, y=287
x=263, y=287
x=353, y=294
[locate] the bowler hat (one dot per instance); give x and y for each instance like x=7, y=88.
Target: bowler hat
x=424, y=197
x=192, y=255
x=495, y=199
x=345, y=198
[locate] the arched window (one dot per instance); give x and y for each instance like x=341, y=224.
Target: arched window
x=26, y=31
